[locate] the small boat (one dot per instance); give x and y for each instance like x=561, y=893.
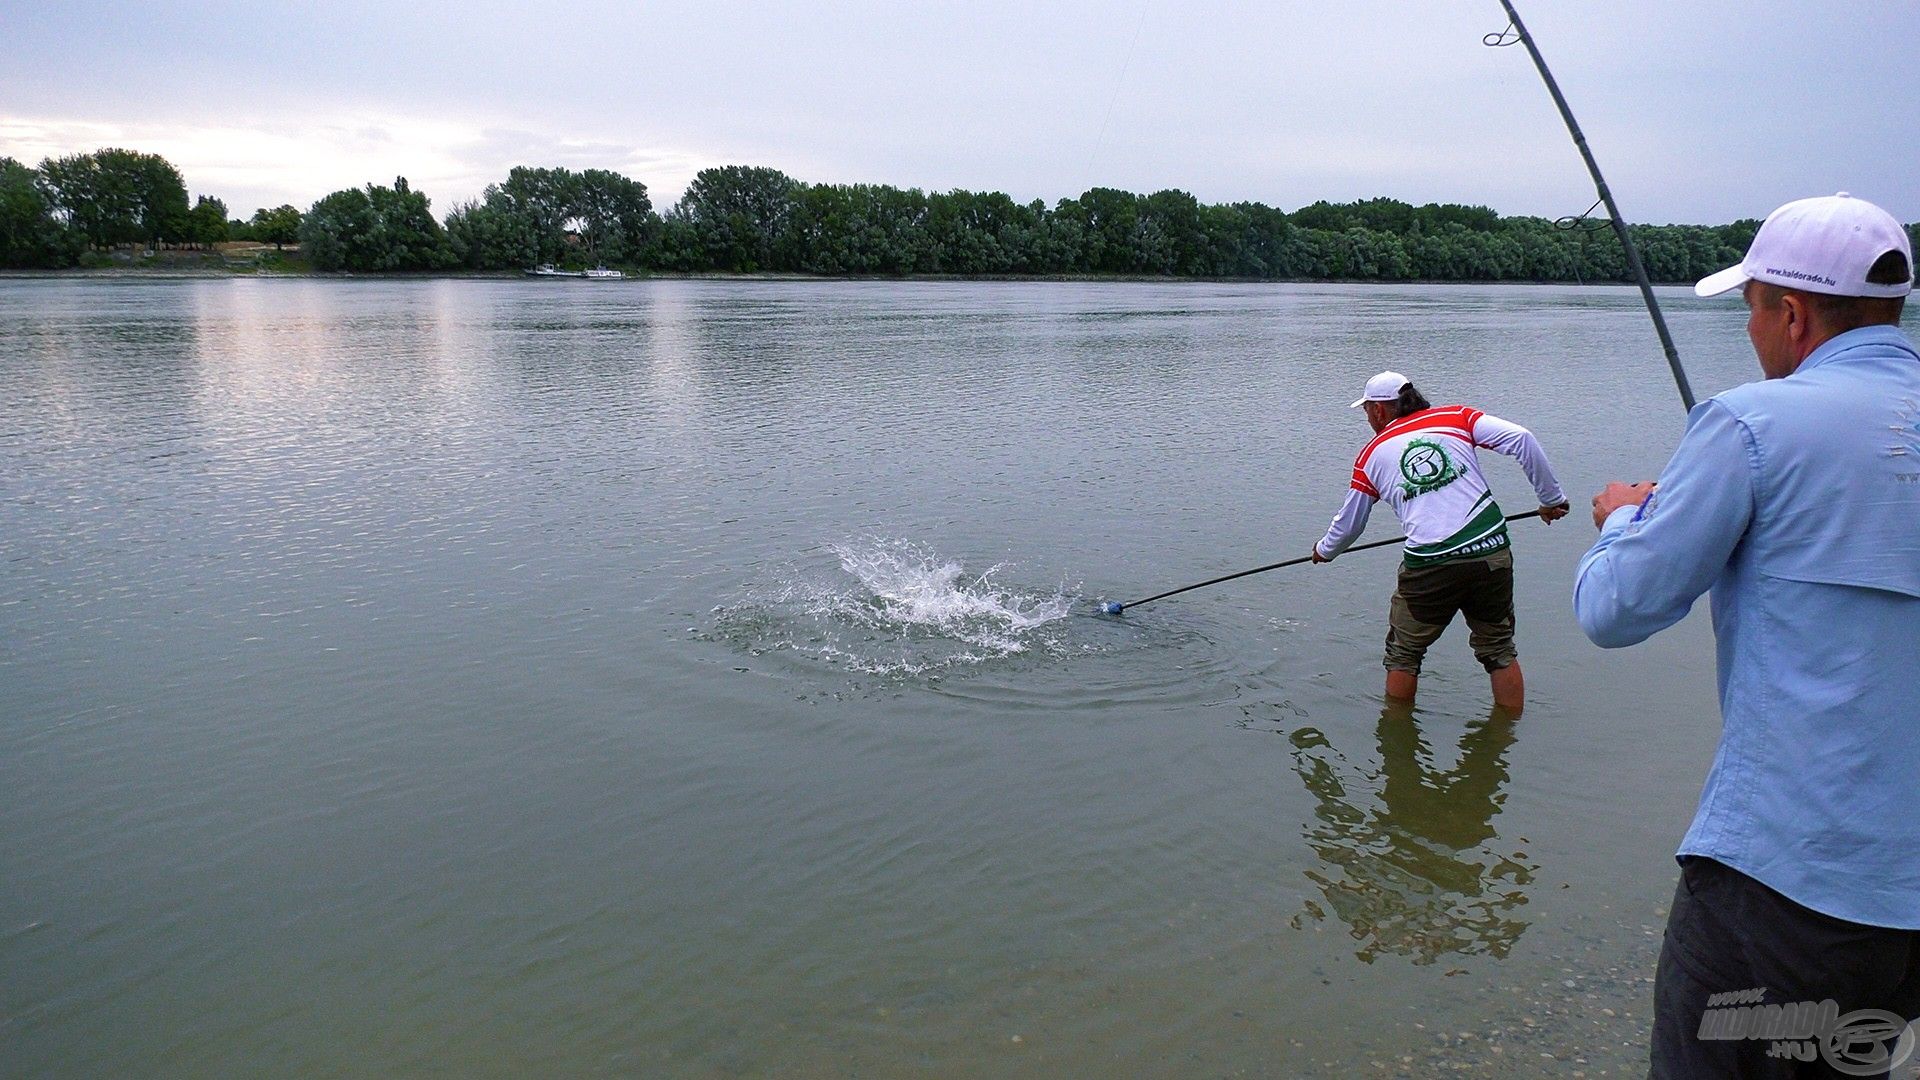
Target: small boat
x=598, y=273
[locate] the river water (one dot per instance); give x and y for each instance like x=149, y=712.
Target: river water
x=688, y=678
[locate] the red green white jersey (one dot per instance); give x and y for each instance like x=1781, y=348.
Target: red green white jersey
x=1427, y=468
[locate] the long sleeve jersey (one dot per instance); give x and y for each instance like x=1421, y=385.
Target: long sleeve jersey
x=1427, y=468
x=1796, y=501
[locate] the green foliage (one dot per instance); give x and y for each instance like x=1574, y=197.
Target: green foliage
x=741, y=219
x=489, y=235
x=333, y=223
x=613, y=215
x=278, y=226
x=542, y=202
x=974, y=233
x=375, y=229
x=855, y=229
x=675, y=245
x=554, y=216
x=118, y=197
x=737, y=217
x=29, y=234
x=207, y=221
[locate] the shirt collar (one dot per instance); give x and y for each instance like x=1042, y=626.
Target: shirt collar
x=1882, y=334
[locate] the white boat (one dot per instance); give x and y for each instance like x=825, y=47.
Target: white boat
x=598, y=273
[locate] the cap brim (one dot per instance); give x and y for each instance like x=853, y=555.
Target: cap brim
x=1725, y=281
x=1357, y=404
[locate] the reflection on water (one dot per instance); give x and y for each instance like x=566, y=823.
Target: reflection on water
x=1408, y=856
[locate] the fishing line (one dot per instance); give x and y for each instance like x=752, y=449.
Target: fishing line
x=1516, y=34
x=1118, y=85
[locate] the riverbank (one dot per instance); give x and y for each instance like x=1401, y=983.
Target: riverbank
x=208, y=271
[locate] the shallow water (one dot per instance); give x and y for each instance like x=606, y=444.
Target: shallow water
x=694, y=678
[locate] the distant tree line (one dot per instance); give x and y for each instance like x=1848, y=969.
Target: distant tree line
x=740, y=219
x=54, y=215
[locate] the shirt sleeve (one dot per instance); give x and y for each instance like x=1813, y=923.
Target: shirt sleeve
x=1347, y=525
x=1517, y=442
x=1651, y=563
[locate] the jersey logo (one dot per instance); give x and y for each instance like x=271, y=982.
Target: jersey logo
x=1426, y=467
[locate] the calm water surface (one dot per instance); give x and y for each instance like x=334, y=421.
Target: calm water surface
x=699, y=678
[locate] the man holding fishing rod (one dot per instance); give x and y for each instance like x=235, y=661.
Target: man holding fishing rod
x=1796, y=500
x=1458, y=559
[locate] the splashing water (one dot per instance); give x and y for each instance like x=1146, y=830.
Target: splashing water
x=909, y=586
x=907, y=611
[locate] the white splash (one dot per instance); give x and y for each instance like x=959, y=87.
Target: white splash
x=909, y=586
x=907, y=611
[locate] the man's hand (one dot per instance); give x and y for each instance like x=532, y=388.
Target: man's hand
x=1551, y=514
x=1616, y=495
x=1317, y=557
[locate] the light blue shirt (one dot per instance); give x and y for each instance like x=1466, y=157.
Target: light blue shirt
x=1797, y=502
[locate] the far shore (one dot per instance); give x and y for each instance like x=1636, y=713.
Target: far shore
x=208, y=273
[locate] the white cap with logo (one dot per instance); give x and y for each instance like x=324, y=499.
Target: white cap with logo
x=1823, y=245
x=1382, y=387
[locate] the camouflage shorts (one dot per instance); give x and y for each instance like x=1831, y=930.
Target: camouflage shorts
x=1428, y=598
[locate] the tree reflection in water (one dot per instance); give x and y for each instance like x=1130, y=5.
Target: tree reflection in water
x=1407, y=855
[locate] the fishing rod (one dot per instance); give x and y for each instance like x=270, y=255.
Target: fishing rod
x=1115, y=607
x=1520, y=35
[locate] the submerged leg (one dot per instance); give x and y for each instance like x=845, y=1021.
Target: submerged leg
x=1402, y=685
x=1416, y=617
x=1509, y=688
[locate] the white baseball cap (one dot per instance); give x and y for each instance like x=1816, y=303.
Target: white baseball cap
x=1385, y=386
x=1823, y=245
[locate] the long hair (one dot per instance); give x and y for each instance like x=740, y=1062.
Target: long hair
x=1409, y=402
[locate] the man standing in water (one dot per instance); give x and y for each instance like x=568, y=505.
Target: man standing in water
x=1796, y=500
x=1423, y=462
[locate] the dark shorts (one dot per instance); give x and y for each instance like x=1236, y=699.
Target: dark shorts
x=1429, y=597
x=1734, y=944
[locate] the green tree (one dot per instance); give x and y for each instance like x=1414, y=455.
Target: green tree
x=981, y=233
x=489, y=235
x=118, y=196
x=675, y=244
x=333, y=227
x=1173, y=239
x=739, y=217
x=612, y=215
x=857, y=229
x=544, y=201
x=278, y=226
x=375, y=229
x=207, y=222
x=30, y=235
x=1107, y=218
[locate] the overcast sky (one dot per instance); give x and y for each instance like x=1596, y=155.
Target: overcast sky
x=1699, y=111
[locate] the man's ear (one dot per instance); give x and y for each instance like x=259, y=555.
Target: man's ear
x=1799, y=316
